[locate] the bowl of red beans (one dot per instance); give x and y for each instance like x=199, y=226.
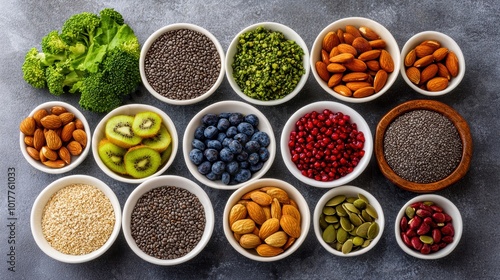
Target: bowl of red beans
x=326, y=144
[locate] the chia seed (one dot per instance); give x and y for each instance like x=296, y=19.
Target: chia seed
x=182, y=64
x=422, y=146
x=167, y=222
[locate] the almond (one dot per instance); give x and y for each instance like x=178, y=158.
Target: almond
x=51, y=122
x=38, y=115
x=443, y=71
x=335, y=68
x=79, y=124
x=280, y=194
x=28, y=126
x=291, y=210
x=413, y=75
x=276, y=209
x=322, y=71
x=424, y=61
x=33, y=153
x=38, y=139
x=373, y=65
x=345, y=48
x=340, y=34
x=237, y=212
x=64, y=155
x=451, y=63
x=277, y=239
x=351, y=29
x=428, y=73
x=379, y=80
x=423, y=50
x=361, y=45
x=52, y=140
x=269, y=227
x=290, y=225
x=48, y=153
x=335, y=79
x=329, y=41
x=356, y=65
x=80, y=136
x=325, y=56
x=265, y=250
x=67, y=132
x=267, y=211
x=410, y=58
x=353, y=86
x=243, y=226
x=343, y=90
x=57, y=110
x=289, y=242
x=66, y=117
x=256, y=213
x=369, y=55
x=386, y=62
x=363, y=92
x=28, y=140
x=437, y=84
x=378, y=44
x=348, y=38
x=54, y=163
x=431, y=43
x=342, y=58
x=335, y=51
x=368, y=33
x=355, y=77
x=440, y=54
x=74, y=148
x=249, y=241
x=261, y=198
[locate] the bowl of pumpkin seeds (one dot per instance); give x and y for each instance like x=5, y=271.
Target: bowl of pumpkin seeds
x=348, y=221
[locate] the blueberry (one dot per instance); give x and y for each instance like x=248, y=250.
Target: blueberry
x=242, y=138
x=262, y=138
x=218, y=167
x=244, y=165
x=226, y=141
x=246, y=128
x=205, y=167
x=253, y=158
x=256, y=167
x=226, y=178
x=243, y=156
x=196, y=156
x=224, y=115
x=197, y=144
x=226, y=155
x=252, y=119
x=232, y=167
x=243, y=175
x=211, y=155
x=210, y=119
x=236, y=118
x=213, y=177
x=223, y=124
x=214, y=144
x=264, y=154
x=221, y=136
x=211, y=132
x=199, y=132
x=235, y=146
x=252, y=146
x=231, y=131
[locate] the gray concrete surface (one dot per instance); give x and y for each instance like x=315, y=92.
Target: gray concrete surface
x=473, y=24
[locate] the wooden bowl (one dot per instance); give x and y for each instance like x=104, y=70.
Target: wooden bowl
x=463, y=131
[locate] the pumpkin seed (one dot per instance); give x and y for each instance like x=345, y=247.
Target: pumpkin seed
x=342, y=235
x=364, y=198
x=331, y=219
x=351, y=208
x=328, y=210
x=426, y=239
x=351, y=199
x=347, y=247
x=322, y=221
x=371, y=211
x=329, y=234
x=373, y=230
x=363, y=229
x=338, y=246
x=359, y=203
x=355, y=220
x=410, y=212
x=366, y=216
x=429, y=203
x=366, y=243
x=346, y=224
x=335, y=200
x=357, y=241
x=340, y=210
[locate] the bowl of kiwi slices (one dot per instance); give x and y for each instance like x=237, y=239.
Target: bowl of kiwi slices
x=135, y=142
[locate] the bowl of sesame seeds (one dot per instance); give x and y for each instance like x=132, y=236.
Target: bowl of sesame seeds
x=76, y=219
x=182, y=64
x=423, y=146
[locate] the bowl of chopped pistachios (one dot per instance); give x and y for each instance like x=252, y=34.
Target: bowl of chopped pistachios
x=348, y=221
x=267, y=63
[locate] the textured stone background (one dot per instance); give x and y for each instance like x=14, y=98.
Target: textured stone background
x=473, y=24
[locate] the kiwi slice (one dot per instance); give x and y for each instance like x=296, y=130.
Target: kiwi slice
x=165, y=155
x=160, y=141
x=119, y=131
x=146, y=124
x=112, y=156
x=142, y=161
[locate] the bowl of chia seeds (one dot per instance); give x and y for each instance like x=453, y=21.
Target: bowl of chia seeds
x=267, y=63
x=182, y=64
x=423, y=146
x=228, y=144
x=76, y=219
x=168, y=220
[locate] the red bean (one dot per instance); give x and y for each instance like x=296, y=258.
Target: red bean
x=448, y=230
x=447, y=239
x=404, y=224
x=438, y=217
x=406, y=239
x=423, y=213
x=416, y=243
x=426, y=249
x=430, y=222
x=423, y=229
x=415, y=222
x=442, y=245
x=436, y=235
x=410, y=233
x=437, y=208
x=434, y=247
x=447, y=218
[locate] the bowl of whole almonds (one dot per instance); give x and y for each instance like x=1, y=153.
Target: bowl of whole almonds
x=55, y=137
x=432, y=63
x=355, y=59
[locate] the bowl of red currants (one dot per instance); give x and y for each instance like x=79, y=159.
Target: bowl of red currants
x=326, y=144
x=428, y=227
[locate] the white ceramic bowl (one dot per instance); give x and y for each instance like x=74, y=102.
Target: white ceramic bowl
x=292, y=192
x=131, y=110
x=168, y=180
x=445, y=41
x=44, y=197
x=449, y=208
x=224, y=107
x=75, y=160
x=178, y=26
x=319, y=106
x=348, y=191
x=289, y=34
x=391, y=46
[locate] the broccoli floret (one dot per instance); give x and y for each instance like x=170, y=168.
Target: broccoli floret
x=33, y=70
x=98, y=94
x=61, y=78
x=52, y=43
x=80, y=28
x=114, y=15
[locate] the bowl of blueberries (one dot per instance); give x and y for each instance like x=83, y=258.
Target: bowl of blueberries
x=228, y=144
